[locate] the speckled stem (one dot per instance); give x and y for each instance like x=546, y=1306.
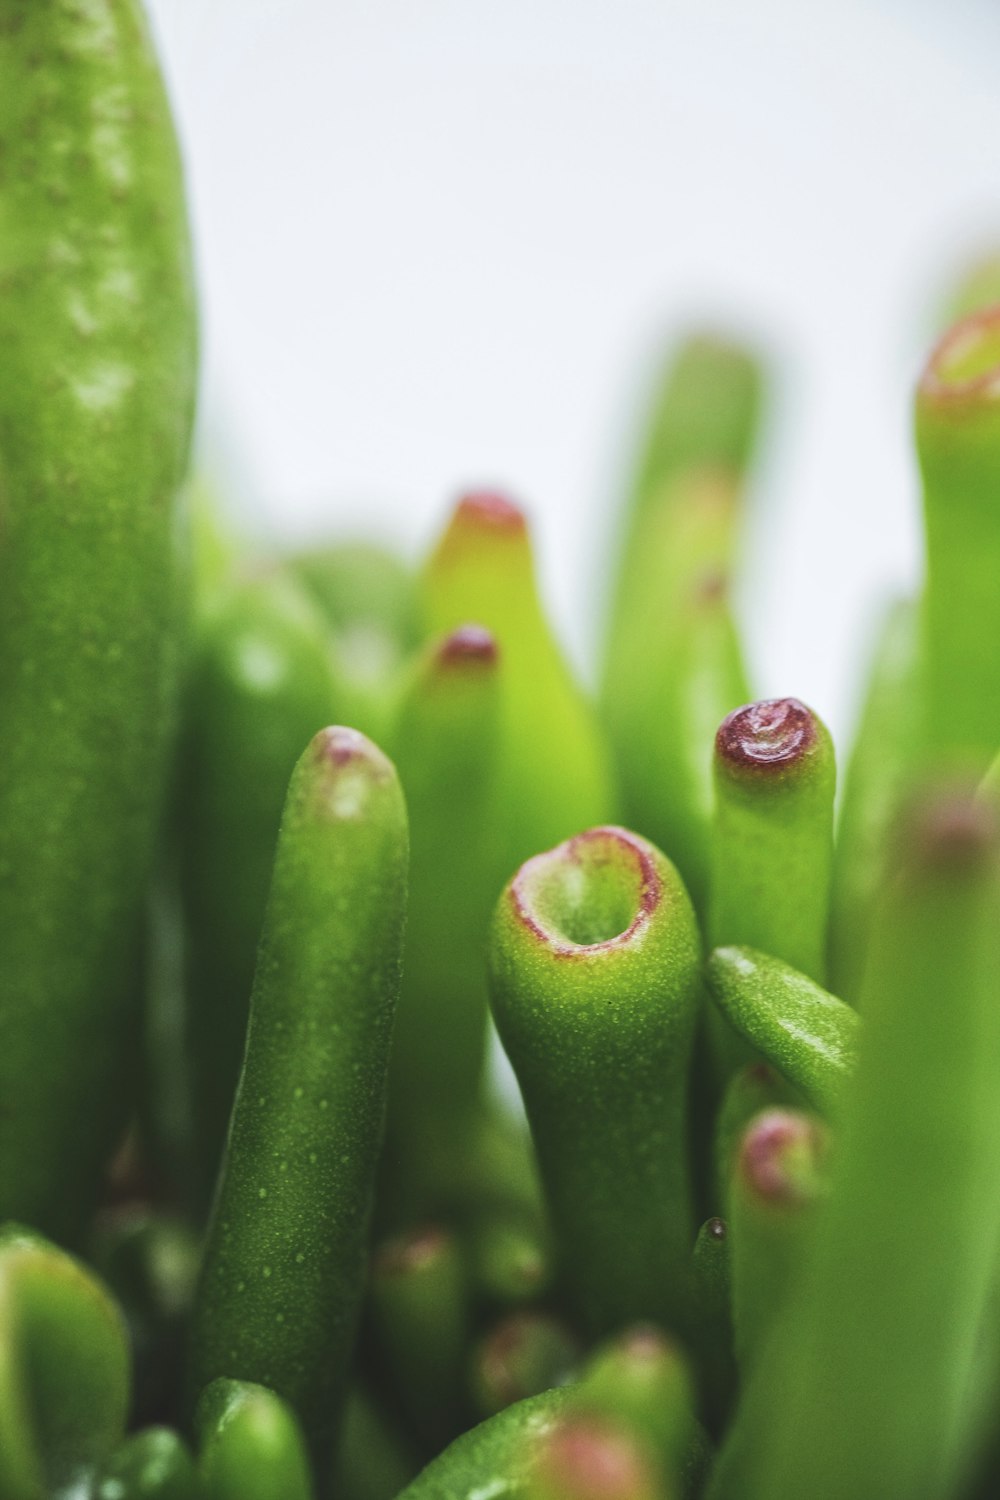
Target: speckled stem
x=773, y=846
x=284, y=1263
x=594, y=983
x=97, y=381
x=958, y=443
x=808, y=1035
x=673, y=665
x=261, y=685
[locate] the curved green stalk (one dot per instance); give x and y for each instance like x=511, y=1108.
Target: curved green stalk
x=958, y=443
x=445, y=747
x=97, y=380
x=281, y=1283
x=64, y=1369
x=250, y=1445
x=261, y=685
x=554, y=771
x=885, y=1314
x=773, y=847
x=879, y=767
x=594, y=983
x=150, y=1465
x=778, y=1181
x=525, y=1353
x=673, y=665
x=420, y=1311
x=493, y=1458
x=810, y=1036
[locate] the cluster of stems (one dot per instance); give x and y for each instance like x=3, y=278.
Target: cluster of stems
x=288, y=841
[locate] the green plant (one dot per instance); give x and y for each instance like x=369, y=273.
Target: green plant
x=242, y=948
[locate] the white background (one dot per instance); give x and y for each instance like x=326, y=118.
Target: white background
x=440, y=242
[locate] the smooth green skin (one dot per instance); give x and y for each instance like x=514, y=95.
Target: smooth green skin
x=250, y=1444
x=672, y=664
x=64, y=1369
x=641, y=1382
x=753, y=1087
x=712, y=1341
x=809, y=1035
x=445, y=747
x=885, y=1315
x=420, y=1311
x=594, y=984
x=510, y=1259
x=370, y=601
x=778, y=1181
x=260, y=686
x=151, y=1465
x=879, y=767
x=554, y=769
x=772, y=856
x=97, y=377
x=524, y=1354
x=493, y=1459
x=282, y=1279
x=957, y=425
x=372, y=1461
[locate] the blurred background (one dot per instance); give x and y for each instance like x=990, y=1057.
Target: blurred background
x=444, y=243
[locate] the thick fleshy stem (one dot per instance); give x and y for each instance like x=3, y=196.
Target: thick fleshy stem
x=673, y=665
x=594, y=984
x=885, y=1314
x=445, y=747
x=880, y=764
x=773, y=847
x=280, y=1289
x=779, y=1179
x=250, y=1444
x=554, y=769
x=753, y=1087
x=260, y=686
x=64, y=1369
x=712, y=1341
x=522, y=1355
x=808, y=1035
x=420, y=1309
x=958, y=444
x=587, y=1458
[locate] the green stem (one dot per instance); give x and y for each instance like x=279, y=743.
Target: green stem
x=522, y=1355
x=594, y=979
x=808, y=1035
x=958, y=444
x=261, y=686
x=778, y=1180
x=97, y=382
x=150, y=1465
x=250, y=1445
x=281, y=1283
x=420, y=1310
x=64, y=1369
x=885, y=1315
x=880, y=765
x=554, y=770
x=774, y=780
